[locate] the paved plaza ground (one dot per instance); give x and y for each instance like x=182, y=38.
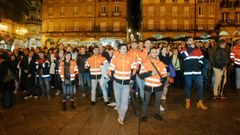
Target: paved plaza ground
x=43, y=117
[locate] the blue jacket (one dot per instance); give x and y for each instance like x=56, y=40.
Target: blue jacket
x=192, y=61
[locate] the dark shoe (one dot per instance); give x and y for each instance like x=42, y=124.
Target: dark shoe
x=158, y=117
x=144, y=119
x=222, y=97
x=215, y=98
x=7, y=106
x=93, y=103
x=63, y=106
x=72, y=107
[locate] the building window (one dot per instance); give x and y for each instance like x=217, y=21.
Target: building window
x=150, y=11
x=211, y=12
x=89, y=26
x=186, y=11
x=50, y=12
x=206, y=1
x=162, y=11
x=186, y=24
x=75, y=12
x=50, y=26
x=237, y=18
x=116, y=26
x=200, y=1
x=76, y=26
x=186, y=1
x=89, y=11
x=174, y=11
x=200, y=11
x=62, y=12
x=225, y=17
x=162, y=24
x=116, y=9
x=150, y=24
x=174, y=24
x=200, y=24
x=103, y=26
x=103, y=9
x=62, y=26
x=211, y=24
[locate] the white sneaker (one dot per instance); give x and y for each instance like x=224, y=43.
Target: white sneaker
x=112, y=104
x=35, y=97
x=120, y=121
x=115, y=108
x=161, y=108
x=57, y=93
x=27, y=97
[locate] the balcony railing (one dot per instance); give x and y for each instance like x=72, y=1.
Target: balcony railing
x=235, y=4
x=230, y=22
x=170, y=28
x=116, y=14
x=31, y=21
x=101, y=14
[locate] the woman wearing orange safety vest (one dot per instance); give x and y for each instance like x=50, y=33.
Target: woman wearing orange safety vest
x=154, y=73
x=122, y=71
x=95, y=63
x=68, y=70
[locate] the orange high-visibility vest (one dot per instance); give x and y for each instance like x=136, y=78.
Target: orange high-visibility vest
x=122, y=65
x=143, y=56
x=94, y=62
x=73, y=70
x=153, y=81
x=135, y=54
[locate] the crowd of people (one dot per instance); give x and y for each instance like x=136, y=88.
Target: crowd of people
x=142, y=68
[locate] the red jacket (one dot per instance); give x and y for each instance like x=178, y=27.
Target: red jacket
x=235, y=55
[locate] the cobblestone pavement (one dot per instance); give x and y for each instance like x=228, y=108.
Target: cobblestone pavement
x=43, y=117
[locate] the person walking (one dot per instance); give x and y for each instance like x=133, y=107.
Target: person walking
x=154, y=72
x=122, y=70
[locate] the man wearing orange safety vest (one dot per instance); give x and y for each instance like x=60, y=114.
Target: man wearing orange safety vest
x=134, y=53
x=122, y=71
x=143, y=56
x=95, y=63
x=154, y=73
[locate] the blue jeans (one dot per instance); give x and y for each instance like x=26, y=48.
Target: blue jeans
x=45, y=85
x=85, y=78
x=68, y=90
x=205, y=72
x=121, y=95
x=237, y=78
x=140, y=83
x=198, y=84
